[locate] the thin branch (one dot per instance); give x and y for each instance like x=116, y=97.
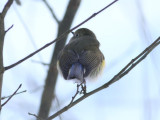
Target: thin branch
x=30, y=55
x=139, y=58
x=57, y=39
x=27, y=30
x=83, y=90
x=6, y=7
x=56, y=98
x=15, y=94
x=75, y=95
x=93, y=15
x=51, y=10
x=39, y=62
x=11, y=96
x=37, y=89
x=38, y=118
x=2, y=36
x=9, y=28
x=117, y=77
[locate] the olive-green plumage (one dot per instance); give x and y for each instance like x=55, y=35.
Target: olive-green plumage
x=81, y=57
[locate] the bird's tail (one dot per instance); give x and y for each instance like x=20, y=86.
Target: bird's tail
x=76, y=72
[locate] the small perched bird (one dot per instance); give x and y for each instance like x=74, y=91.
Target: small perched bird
x=81, y=57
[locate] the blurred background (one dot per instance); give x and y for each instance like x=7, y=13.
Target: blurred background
x=124, y=30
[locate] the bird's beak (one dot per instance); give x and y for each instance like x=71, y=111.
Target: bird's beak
x=73, y=33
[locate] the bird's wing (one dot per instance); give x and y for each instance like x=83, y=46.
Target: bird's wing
x=92, y=61
x=65, y=60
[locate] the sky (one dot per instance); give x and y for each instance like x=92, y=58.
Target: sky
x=123, y=30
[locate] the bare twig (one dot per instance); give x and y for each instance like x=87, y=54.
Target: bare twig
x=74, y=95
x=46, y=64
x=83, y=90
x=8, y=28
x=57, y=39
x=118, y=76
x=27, y=30
x=51, y=10
x=56, y=98
x=83, y=87
x=38, y=118
x=15, y=94
x=93, y=15
x=11, y=96
x=37, y=89
x=6, y=8
x=2, y=36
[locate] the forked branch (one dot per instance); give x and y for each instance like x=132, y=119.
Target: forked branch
x=117, y=77
x=11, y=96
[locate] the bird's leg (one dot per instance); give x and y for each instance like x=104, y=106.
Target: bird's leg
x=83, y=86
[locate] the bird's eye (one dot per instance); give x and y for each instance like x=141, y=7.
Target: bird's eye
x=76, y=35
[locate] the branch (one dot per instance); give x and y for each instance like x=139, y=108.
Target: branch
x=93, y=15
x=2, y=35
x=38, y=118
x=6, y=7
x=51, y=10
x=9, y=28
x=42, y=63
x=57, y=39
x=117, y=77
x=74, y=95
x=11, y=96
x=28, y=32
x=15, y=94
x=58, y=104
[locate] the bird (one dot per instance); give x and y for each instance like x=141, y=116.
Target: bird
x=81, y=58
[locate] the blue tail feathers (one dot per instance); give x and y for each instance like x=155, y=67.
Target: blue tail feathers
x=76, y=72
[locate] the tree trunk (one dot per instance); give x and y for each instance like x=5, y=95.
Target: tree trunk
x=51, y=79
x=2, y=33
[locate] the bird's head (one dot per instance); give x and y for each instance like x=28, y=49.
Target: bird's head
x=83, y=32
